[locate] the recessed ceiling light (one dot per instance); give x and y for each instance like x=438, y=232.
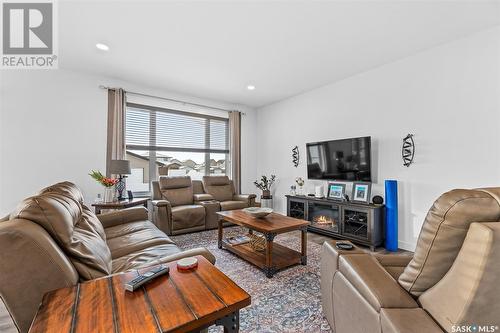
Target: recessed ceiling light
x=250, y=87
x=102, y=47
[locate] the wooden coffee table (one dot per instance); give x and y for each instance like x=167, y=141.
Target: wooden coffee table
x=275, y=257
x=182, y=301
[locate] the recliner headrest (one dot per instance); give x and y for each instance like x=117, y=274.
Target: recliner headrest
x=216, y=180
x=167, y=183
x=443, y=233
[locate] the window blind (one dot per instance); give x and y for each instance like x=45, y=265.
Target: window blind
x=157, y=129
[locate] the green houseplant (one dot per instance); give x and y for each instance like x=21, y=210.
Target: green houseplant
x=265, y=185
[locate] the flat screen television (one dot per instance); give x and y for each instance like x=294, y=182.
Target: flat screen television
x=345, y=159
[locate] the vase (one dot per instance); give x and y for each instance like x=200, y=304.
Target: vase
x=109, y=194
x=391, y=215
x=300, y=191
x=266, y=194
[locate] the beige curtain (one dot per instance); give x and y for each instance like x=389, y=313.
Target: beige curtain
x=116, y=127
x=235, y=148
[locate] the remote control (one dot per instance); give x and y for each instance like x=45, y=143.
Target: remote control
x=145, y=277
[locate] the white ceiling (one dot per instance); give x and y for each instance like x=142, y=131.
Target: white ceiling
x=214, y=49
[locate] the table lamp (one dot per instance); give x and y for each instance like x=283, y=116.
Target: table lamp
x=120, y=168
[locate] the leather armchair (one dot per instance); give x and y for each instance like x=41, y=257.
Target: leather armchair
x=452, y=280
x=174, y=208
x=222, y=189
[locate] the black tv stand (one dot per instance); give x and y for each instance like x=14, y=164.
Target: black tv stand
x=357, y=222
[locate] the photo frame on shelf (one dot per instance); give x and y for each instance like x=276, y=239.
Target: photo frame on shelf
x=361, y=192
x=336, y=191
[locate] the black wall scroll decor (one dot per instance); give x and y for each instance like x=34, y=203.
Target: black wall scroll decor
x=408, y=150
x=295, y=156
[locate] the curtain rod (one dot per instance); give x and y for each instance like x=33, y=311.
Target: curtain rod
x=172, y=100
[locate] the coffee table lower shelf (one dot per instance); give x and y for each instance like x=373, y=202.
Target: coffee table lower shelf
x=282, y=256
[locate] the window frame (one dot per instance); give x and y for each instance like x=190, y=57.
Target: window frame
x=152, y=148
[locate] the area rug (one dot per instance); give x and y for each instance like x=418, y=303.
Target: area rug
x=288, y=302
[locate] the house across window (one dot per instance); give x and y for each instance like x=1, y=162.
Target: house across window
x=174, y=143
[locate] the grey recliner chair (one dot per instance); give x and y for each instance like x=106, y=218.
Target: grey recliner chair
x=451, y=283
x=221, y=188
x=174, y=208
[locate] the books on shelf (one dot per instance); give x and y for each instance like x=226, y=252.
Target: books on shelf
x=237, y=240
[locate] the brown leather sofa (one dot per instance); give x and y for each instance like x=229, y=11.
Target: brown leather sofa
x=451, y=283
x=53, y=240
x=181, y=205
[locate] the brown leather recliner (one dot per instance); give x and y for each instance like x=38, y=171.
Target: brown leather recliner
x=221, y=188
x=451, y=283
x=53, y=240
x=175, y=210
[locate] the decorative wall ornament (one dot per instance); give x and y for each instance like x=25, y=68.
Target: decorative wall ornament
x=408, y=150
x=295, y=156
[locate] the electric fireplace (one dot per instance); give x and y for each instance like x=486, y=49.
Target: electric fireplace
x=324, y=216
x=357, y=222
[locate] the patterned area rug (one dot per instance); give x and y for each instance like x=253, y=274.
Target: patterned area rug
x=288, y=302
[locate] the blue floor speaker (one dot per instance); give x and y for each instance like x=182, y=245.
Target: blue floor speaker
x=391, y=215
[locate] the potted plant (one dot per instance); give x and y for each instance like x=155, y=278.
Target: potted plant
x=108, y=183
x=265, y=184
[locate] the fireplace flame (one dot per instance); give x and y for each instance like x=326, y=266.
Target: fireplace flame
x=322, y=219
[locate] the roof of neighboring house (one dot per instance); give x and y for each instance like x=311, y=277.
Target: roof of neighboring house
x=145, y=158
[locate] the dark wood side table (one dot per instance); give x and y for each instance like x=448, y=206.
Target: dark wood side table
x=182, y=301
x=120, y=204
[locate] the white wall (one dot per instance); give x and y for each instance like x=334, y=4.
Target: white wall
x=53, y=128
x=448, y=96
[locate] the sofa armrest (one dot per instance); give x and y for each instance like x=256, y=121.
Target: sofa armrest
x=407, y=321
x=123, y=216
x=32, y=264
x=160, y=203
x=248, y=198
x=162, y=215
x=203, y=197
x=393, y=264
x=329, y=266
x=201, y=251
x=373, y=282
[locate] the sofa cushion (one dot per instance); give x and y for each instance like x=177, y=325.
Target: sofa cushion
x=231, y=205
x=75, y=229
x=65, y=188
x=128, y=238
x=143, y=257
x=220, y=187
x=177, y=190
x=187, y=216
x=443, y=233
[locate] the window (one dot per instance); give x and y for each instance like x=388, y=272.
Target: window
x=175, y=143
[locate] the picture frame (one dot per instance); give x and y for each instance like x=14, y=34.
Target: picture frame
x=361, y=192
x=336, y=191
